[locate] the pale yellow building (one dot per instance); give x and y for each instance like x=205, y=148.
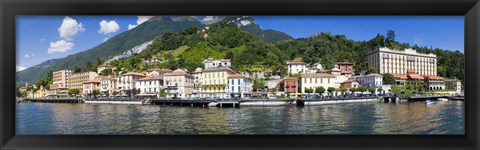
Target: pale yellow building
x=314, y=80
x=76, y=80
x=40, y=93
x=178, y=84
x=214, y=81
x=398, y=61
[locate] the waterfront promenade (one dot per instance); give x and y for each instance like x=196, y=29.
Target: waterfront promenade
x=244, y=102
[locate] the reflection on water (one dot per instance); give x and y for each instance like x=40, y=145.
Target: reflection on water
x=355, y=118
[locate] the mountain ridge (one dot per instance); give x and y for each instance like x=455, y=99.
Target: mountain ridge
x=143, y=33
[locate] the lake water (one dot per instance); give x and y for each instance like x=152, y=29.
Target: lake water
x=353, y=118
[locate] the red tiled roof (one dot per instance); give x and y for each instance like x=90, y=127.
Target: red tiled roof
x=151, y=78
x=133, y=73
x=433, y=77
x=92, y=81
x=400, y=76
x=160, y=70
x=176, y=73
x=417, y=77
x=236, y=76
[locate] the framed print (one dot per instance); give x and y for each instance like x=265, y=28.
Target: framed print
x=214, y=74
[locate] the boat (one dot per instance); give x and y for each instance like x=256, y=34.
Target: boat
x=442, y=99
x=429, y=102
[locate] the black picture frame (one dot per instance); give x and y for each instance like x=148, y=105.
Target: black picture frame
x=10, y=8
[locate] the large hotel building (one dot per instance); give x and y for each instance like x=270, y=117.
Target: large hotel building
x=60, y=79
x=76, y=80
x=398, y=62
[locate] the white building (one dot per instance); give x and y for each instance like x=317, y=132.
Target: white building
x=157, y=72
x=210, y=62
x=178, y=84
x=297, y=67
x=453, y=84
x=239, y=85
x=371, y=80
x=197, y=74
x=107, y=86
x=150, y=86
x=398, y=62
x=126, y=83
x=103, y=67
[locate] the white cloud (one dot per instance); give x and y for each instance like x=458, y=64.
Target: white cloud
x=42, y=39
x=105, y=39
x=107, y=27
x=208, y=18
x=60, y=46
x=69, y=28
x=32, y=54
x=20, y=68
x=131, y=26
x=140, y=20
x=26, y=55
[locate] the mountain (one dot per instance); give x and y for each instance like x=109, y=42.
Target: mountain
x=122, y=45
x=39, y=70
x=249, y=24
x=116, y=45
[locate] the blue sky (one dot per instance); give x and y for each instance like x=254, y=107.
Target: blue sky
x=40, y=38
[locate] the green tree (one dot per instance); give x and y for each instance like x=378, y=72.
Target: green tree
x=388, y=79
x=100, y=61
x=163, y=93
x=380, y=90
x=273, y=91
x=106, y=72
x=372, y=70
x=320, y=90
x=371, y=90
x=331, y=90
x=17, y=92
x=352, y=89
x=308, y=91
x=362, y=89
x=76, y=69
x=73, y=92
x=258, y=84
x=95, y=93
x=343, y=90
x=390, y=36
x=191, y=30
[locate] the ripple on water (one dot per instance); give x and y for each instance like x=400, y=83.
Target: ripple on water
x=354, y=118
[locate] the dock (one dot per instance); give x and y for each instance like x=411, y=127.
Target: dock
x=424, y=98
x=306, y=102
x=191, y=103
x=67, y=100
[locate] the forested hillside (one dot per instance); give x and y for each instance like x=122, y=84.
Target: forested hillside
x=184, y=42
x=151, y=29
